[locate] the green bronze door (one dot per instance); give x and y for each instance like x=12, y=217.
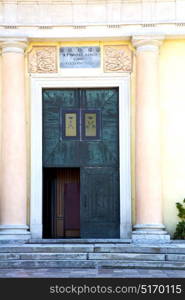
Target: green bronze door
x=80, y=130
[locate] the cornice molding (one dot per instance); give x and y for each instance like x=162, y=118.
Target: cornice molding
x=72, y=1
x=76, y=12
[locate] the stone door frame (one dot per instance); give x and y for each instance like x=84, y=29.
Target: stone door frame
x=38, y=82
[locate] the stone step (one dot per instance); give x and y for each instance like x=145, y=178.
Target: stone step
x=92, y=256
x=43, y=256
x=172, y=265
x=29, y=264
x=83, y=256
x=126, y=256
x=47, y=248
x=175, y=257
x=163, y=249
x=94, y=248
x=91, y=264
x=79, y=241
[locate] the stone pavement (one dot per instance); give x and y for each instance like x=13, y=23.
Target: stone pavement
x=90, y=273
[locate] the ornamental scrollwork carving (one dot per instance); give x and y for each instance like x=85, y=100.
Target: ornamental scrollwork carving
x=117, y=58
x=42, y=59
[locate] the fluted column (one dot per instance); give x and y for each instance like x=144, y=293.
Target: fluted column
x=149, y=224
x=13, y=206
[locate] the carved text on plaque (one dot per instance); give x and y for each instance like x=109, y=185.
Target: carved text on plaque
x=80, y=57
x=117, y=58
x=42, y=59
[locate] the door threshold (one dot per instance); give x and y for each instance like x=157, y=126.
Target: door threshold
x=79, y=241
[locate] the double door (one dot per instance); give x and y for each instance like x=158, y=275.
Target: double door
x=81, y=163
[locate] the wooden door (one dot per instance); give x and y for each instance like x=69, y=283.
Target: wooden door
x=61, y=207
x=72, y=209
x=81, y=130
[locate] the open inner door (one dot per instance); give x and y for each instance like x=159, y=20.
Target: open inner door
x=61, y=209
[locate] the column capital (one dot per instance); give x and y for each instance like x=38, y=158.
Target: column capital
x=147, y=43
x=13, y=45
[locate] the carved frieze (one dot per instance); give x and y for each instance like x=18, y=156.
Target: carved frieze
x=42, y=59
x=117, y=58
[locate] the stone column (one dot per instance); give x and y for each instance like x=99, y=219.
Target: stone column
x=149, y=225
x=13, y=198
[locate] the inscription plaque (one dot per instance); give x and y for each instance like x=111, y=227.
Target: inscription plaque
x=90, y=124
x=91, y=128
x=80, y=57
x=70, y=124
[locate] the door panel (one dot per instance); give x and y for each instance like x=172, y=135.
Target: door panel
x=99, y=205
x=58, y=152
x=74, y=153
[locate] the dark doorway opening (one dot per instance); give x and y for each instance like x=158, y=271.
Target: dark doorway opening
x=61, y=202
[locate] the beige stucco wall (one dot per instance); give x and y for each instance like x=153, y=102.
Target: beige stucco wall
x=172, y=99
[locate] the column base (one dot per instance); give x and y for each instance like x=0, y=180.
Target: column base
x=14, y=232
x=150, y=233
x=36, y=231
